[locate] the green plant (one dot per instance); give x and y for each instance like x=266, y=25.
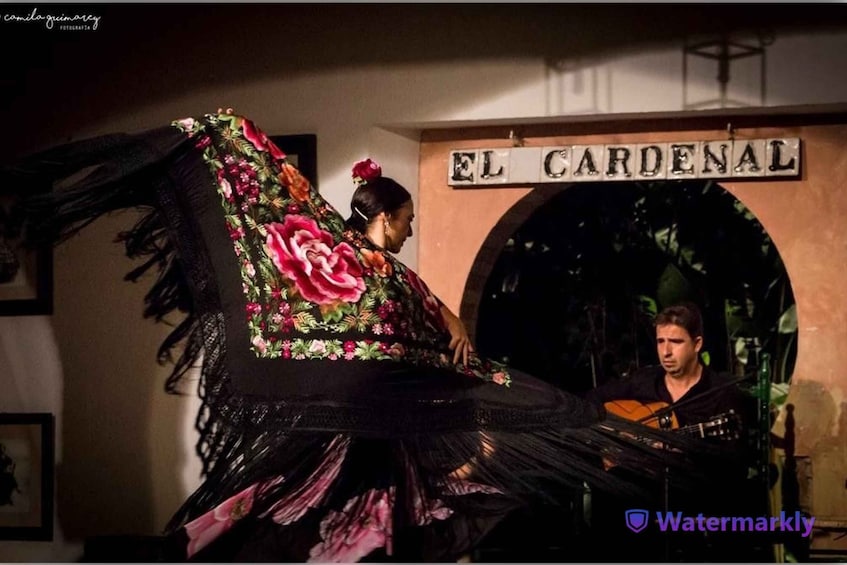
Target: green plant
x=573, y=294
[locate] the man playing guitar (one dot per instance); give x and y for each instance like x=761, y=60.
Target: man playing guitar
x=681, y=380
x=693, y=396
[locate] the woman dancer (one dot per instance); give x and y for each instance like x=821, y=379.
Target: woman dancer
x=344, y=414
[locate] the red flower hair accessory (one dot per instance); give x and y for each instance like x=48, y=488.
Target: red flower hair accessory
x=366, y=171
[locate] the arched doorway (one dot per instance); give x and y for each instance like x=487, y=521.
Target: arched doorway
x=571, y=294
x=463, y=232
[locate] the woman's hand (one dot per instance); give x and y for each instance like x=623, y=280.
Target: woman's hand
x=460, y=342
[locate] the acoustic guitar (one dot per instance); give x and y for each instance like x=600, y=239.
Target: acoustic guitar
x=724, y=426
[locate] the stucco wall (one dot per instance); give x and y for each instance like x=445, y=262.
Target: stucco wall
x=804, y=218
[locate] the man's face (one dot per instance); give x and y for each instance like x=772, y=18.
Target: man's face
x=677, y=350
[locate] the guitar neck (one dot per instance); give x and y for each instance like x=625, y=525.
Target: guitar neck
x=698, y=430
x=659, y=415
x=724, y=426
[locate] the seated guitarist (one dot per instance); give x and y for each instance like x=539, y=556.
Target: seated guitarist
x=681, y=378
x=697, y=394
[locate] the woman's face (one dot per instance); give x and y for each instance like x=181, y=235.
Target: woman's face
x=399, y=226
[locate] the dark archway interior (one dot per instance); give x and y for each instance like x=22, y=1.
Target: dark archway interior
x=572, y=295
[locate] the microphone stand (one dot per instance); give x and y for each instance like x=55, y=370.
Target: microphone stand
x=658, y=415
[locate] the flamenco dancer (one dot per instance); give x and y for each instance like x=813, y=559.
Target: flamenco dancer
x=345, y=415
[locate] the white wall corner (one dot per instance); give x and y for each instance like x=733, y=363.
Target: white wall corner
x=397, y=150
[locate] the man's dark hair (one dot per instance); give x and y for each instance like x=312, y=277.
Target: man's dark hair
x=686, y=315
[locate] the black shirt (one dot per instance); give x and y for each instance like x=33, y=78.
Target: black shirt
x=698, y=405
x=711, y=397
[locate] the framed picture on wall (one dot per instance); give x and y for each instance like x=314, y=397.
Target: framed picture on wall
x=302, y=152
x=26, y=476
x=26, y=275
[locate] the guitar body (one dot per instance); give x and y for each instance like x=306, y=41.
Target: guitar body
x=644, y=413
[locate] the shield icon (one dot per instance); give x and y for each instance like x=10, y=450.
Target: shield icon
x=636, y=519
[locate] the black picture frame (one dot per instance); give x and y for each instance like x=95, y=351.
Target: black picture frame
x=27, y=467
x=26, y=274
x=302, y=152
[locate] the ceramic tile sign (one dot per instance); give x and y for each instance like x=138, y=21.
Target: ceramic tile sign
x=717, y=159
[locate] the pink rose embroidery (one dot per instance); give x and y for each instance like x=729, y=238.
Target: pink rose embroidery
x=226, y=189
x=347, y=540
x=292, y=507
x=208, y=527
x=318, y=346
x=430, y=302
x=304, y=254
x=187, y=125
x=432, y=509
x=260, y=140
x=260, y=344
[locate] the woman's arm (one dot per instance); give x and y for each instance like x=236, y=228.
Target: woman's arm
x=460, y=342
